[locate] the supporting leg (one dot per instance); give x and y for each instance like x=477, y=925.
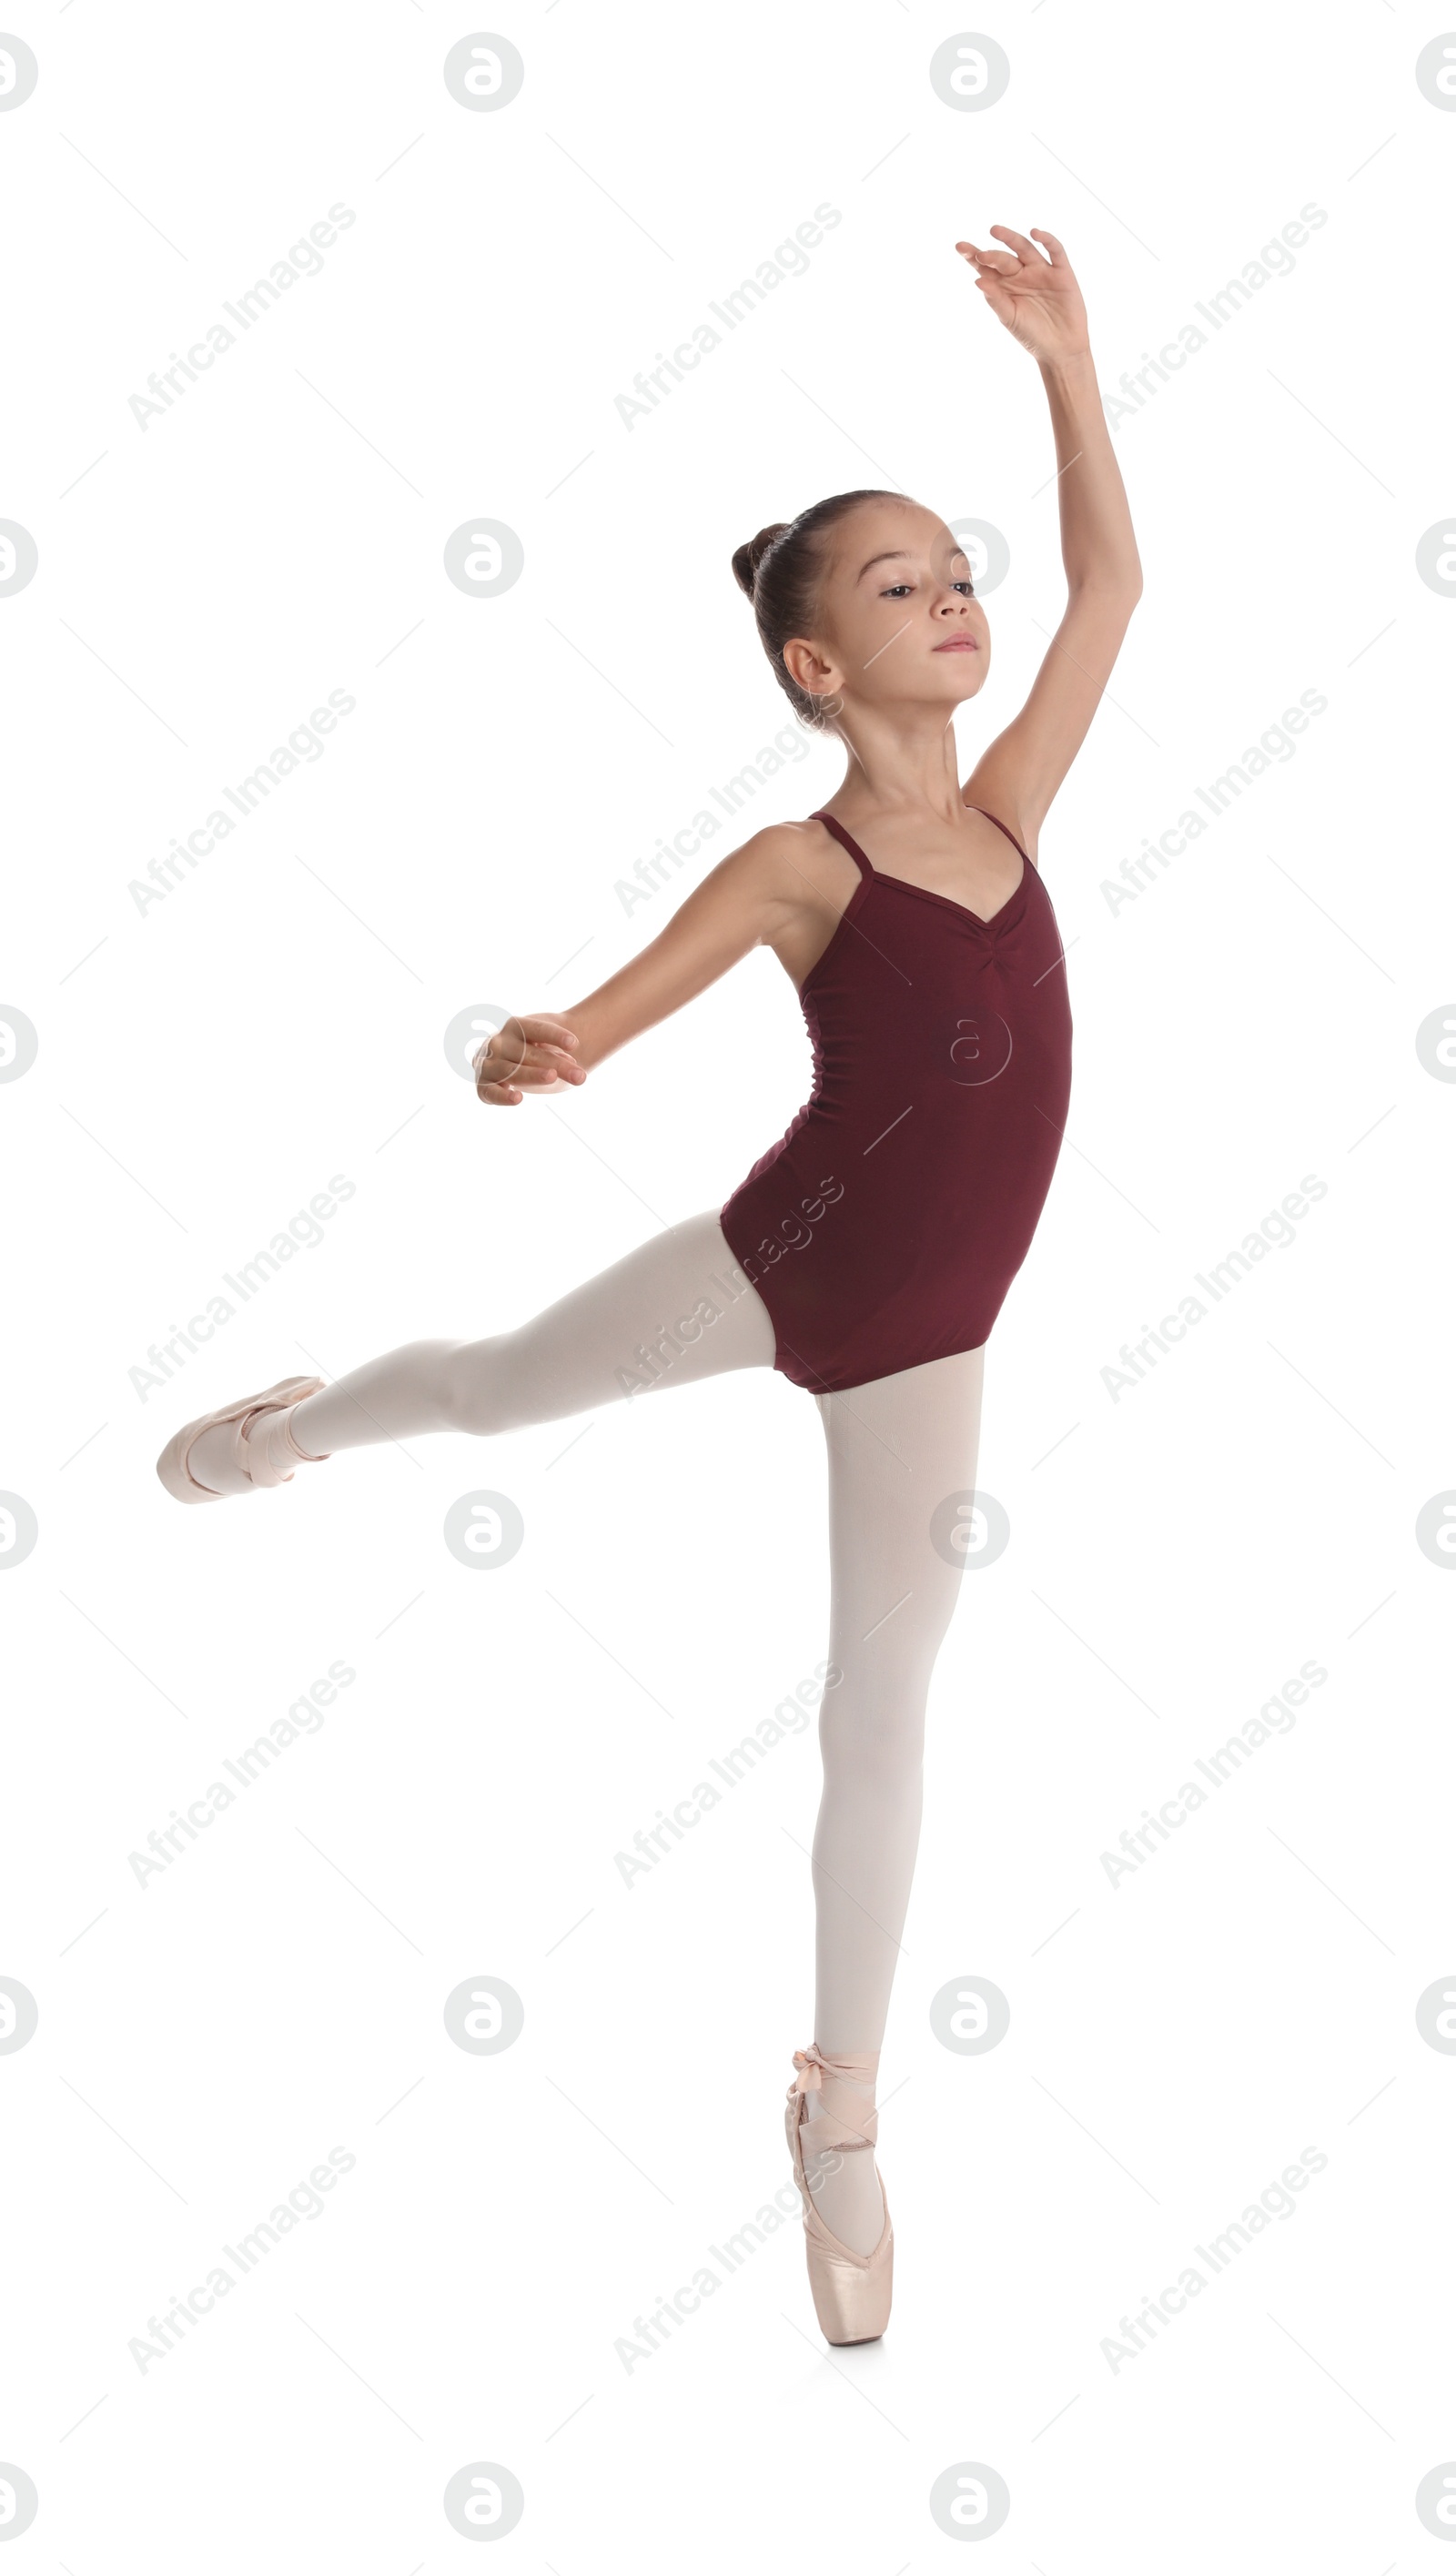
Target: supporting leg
x=897, y=1448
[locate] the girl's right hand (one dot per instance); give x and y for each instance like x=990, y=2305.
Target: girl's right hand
x=528, y=1053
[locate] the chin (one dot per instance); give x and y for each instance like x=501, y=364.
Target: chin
x=966, y=675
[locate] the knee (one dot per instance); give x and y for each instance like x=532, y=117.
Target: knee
x=470, y=1385
x=879, y=1743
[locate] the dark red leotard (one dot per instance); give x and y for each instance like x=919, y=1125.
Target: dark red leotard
x=886, y=1226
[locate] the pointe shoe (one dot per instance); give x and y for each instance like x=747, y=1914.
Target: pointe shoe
x=172, y=1466
x=851, y=2291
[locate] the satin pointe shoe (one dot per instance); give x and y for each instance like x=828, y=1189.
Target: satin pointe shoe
x=172, y=1465
x=851, y=2291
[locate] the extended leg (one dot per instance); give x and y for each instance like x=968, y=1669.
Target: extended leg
x=675, y=1310
x=898, y=1448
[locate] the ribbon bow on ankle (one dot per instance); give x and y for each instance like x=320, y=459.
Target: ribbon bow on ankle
x=845, y=2118
x=812, y=2065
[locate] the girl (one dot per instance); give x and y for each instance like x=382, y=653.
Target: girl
x=868, y=1253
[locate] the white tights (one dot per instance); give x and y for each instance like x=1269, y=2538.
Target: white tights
x=898, y=1447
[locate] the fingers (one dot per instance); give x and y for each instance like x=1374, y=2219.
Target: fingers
x=525, y=1030
x=1022, y=252
x=525, y=1041
x=510, y=1082
x=527, y=1077
x=992, y=285
x=504, y=1063
x=1001, y=263
x=495, y=1074
x=1025, y=249
x=519, y=1057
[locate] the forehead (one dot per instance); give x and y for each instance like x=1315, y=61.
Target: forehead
x=900, y=528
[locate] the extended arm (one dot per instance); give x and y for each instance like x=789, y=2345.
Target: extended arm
x=743, y=901
x=1039, y=302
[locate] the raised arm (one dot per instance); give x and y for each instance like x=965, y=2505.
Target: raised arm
x=743, y=902
x=1038, y=300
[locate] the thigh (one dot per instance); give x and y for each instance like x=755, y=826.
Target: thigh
x=677, y=1309
x=902, y=1465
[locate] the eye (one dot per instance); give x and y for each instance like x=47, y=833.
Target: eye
x=966, y=586
x=898, y=590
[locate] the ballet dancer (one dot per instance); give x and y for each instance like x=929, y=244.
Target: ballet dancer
x=867, y=1254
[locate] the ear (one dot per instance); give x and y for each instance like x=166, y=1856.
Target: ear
x=808, y=669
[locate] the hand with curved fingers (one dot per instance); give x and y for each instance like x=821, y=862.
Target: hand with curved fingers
x=1036, y=296
x=526, y=1053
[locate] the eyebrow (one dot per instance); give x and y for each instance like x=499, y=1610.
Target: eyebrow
x=899, y=555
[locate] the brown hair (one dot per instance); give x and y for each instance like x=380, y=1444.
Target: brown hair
x=781, y=570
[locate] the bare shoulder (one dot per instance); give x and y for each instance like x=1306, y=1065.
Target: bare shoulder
x=798, y=880
x=793, y=867
x=779, y=889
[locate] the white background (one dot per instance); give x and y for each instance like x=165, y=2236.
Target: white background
x=206, y=1067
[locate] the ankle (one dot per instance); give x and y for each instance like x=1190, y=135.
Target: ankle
x=271, y=1447
x=845, y=2090
x=301, y=1441
x=856, y=2085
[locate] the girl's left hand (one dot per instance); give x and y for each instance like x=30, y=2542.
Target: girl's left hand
x=1037, y=298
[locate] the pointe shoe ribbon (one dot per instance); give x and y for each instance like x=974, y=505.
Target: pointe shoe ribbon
x=846, y=2119
x=264, y=1443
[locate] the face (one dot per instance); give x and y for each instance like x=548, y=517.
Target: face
x=897, y=622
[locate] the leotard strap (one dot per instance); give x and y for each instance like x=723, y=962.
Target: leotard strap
x=1001, y=827
x=865, y=866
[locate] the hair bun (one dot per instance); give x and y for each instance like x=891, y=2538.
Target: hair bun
x=747, y=559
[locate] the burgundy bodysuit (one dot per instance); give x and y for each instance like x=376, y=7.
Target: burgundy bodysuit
x=886, y=1226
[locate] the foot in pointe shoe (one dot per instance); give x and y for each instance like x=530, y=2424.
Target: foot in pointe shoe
x=851, y=2291
x=259, y=1447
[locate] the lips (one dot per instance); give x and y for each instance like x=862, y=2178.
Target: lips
x=957, y=644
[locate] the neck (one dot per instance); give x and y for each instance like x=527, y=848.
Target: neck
x=901, y=760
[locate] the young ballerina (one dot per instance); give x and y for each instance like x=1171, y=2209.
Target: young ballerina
x=867, y=1255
